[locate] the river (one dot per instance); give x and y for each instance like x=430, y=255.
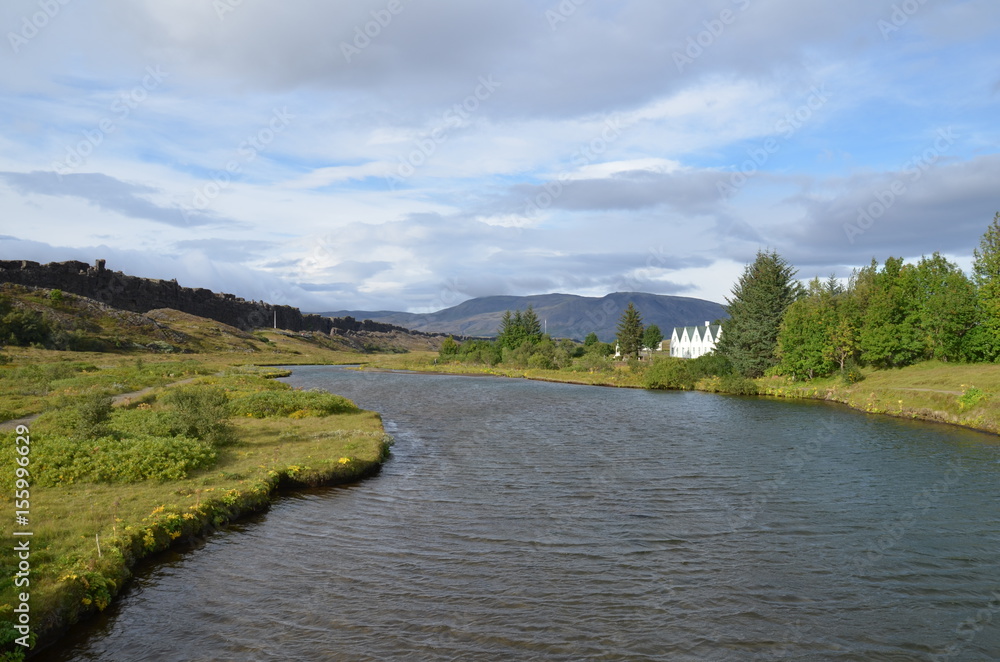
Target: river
x=525, y=520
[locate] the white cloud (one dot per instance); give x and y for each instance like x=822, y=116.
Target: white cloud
x=350, y=206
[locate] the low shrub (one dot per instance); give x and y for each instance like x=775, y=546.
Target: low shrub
x=284, y=403
x=971, y=397
x=738, y=385
x=669, y=373
x=59, y=460
x=92, y=415
x=851, y=374
x=201, y=412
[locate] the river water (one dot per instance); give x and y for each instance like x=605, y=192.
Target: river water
x=521, y=520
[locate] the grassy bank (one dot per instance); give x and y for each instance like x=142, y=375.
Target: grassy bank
x=958, y=394
x=113, y=484
x=619, y=376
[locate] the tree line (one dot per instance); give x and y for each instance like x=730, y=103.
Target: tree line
x=521, y=342
x=886, y=316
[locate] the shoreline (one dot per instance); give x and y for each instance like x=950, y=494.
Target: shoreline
x=174, y=529
x=853, y=396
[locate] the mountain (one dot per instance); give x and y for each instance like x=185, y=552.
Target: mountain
x=565, y=315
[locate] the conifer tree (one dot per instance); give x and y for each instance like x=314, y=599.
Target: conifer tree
x=518, y=328
x=760, y=298
x=630, y=332
x=532, y=327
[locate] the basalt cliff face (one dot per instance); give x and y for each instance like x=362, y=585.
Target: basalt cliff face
x=140, y=295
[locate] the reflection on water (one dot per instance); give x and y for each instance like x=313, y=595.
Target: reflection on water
x=526, y=520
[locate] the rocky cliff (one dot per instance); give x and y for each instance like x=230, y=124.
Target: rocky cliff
x=140, y=295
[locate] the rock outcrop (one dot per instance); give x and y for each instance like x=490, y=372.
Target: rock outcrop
x=140, y=295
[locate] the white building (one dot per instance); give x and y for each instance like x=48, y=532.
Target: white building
x=690, y=342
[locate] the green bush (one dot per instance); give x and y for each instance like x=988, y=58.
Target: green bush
x=669, y=373
x=201, y=412
x=970, y=398
x=541, y=361
x=24, y=327
x=851, y=374
x=92, y=415
x=144, y=422
x=449, y=348
x=711, y=365
x=592, y=362
x=284, y=403
x=63, y=460
x=738, y=385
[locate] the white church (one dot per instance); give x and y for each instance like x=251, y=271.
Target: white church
x=690, y=342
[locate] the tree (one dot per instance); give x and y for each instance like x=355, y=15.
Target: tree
x=889, y=336
x=986, y=272
x=945, y=308
x=519, y=328
x=630, y=332
x=652, y=337
x=760, y=298
x=532, y=327
x=448, y=347
x=805, y=341
x=591, y=339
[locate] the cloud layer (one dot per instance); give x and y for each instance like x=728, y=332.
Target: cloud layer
x=389, y=154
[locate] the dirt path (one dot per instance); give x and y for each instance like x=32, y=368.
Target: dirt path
x=927, y=390
x=116, y=400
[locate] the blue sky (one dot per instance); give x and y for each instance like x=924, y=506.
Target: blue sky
x=410, y=155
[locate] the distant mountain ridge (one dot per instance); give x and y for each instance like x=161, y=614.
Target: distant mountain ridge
x=564, y=315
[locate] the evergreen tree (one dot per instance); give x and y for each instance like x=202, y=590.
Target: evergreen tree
x=630, y=332
x=986, y=271
x=652, y=337
x=532, y=327
x=518, y=328
x=760, y=298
